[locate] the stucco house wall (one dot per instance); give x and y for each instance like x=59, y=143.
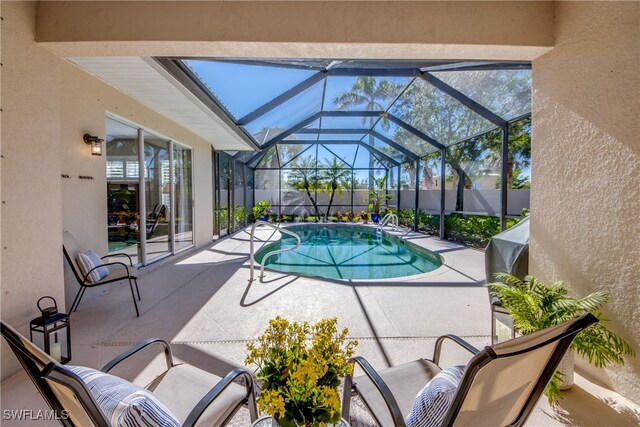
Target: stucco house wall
x=585, y=192
x=48, y=104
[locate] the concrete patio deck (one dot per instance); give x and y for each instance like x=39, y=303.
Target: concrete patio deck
x=203, y=303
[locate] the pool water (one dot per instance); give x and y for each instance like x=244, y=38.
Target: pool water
x=347, y=252
x=118, y=246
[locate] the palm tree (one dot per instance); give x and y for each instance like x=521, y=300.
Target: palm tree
x=519, y=148
x=368, y=93
x=335, y=178
x=303, y=177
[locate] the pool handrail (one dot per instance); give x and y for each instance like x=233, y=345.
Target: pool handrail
x=268, y=254
x=388, y=217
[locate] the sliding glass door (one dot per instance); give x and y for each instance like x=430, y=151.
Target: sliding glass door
x=123, y=183
x=183, y=199
x=149, y=191
x=157, y=183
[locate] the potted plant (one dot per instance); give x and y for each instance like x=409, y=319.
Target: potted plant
x=535, y=305
x=261, y=210
x=378, y=196
x=300, y=367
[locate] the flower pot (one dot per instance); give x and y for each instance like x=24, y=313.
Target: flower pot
x=566, y=368
x=263, y=218
x=375, y=218
x=341, y=423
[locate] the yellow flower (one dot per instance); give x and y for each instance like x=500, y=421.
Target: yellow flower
x=300, y=367
x=271, y=402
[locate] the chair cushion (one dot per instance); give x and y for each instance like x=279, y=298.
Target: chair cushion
x=434, y=400
x=89, y=260
x=182, y=387
x=404, y=381
x=123, y=403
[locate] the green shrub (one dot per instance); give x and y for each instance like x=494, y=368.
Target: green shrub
x=471, y=230
x=261, y=209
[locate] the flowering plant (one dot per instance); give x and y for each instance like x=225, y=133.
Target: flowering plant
x=300, y=367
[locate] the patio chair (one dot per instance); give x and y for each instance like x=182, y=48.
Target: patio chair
x=499, y=386
x=192, y=395
x=117, y=271
x=154, y=218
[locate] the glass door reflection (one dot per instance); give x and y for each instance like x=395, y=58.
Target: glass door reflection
x=183, y=199
x=122, y=189
x=157, y=181
x=223, y=208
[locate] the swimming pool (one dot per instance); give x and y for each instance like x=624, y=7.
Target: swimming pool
x=348, y=252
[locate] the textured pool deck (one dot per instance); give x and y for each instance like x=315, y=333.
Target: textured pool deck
x=203, y=303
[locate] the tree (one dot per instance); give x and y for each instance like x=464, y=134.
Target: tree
x=368, y=93
x=451, y=124
x=457, y=156
x=288, y=152
x=334, y=178
x=520, y=181
x=303, y=177
x=519, y=149
x=503, y=92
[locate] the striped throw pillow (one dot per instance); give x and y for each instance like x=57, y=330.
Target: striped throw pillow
x=123, y=403
x=434, y=400
x=89, y=260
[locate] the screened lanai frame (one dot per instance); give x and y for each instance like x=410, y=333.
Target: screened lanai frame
x=437, y=78
x=322, y=156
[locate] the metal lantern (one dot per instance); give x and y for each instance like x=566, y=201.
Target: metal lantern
x=51, y=331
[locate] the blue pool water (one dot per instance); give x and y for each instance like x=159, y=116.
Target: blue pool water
x=118, y=246
x=347, y=252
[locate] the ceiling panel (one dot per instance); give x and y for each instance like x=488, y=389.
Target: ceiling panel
x=140, y=79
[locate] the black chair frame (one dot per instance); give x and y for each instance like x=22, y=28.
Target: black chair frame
x=85, y=283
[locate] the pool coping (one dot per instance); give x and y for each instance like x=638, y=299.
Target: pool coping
x=419, y=240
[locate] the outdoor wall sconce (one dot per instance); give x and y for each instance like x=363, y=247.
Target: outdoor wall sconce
x=95, y=142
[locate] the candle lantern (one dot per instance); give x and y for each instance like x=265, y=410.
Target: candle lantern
x=502, y=325
x=51, y=331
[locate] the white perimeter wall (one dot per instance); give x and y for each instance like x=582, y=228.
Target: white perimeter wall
x=482, y=201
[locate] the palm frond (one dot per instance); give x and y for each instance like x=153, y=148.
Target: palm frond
x=508, y=279
x=552, y=391
x=535, y=305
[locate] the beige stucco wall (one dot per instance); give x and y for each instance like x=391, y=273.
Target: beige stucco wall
x=310, y=29
x=585, y=194
x=48, y=104
x=31, y=185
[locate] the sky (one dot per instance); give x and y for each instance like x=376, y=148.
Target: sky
x=242, y=88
